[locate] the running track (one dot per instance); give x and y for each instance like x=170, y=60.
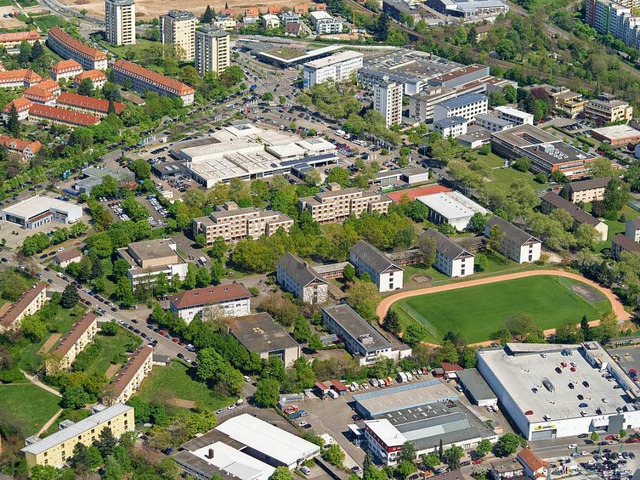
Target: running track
x=618, y=309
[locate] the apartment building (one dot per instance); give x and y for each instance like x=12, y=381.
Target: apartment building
x=233, y=223
x=465, y=106
x=57, y=448
x=14, y=39
x=339, y=67
x=387, y=99
x=451, y=127
x=607, y=109
x=45, y=93
x=451, y=259
x=142, y=80
x=212, y=51
x=69, y=48
x=65, y=69
x=587, y=191
x=61, y=116
x=80, y=335
x=19, y=78
x=120, y=22
x=22, y=106
x=149, y=258
x=270, y=21
x=632, y=230
x=324, y=23
x=296, y=276
x=493, y=123
x=616, y=18
x=514, y=116
x=97, y=77
x=385, y=274
x=25, y=148
x=622, y=243
x=93, y=106
x=229, y=300
x=336, y=204
x=551, y=201
x=130, y=377
x=517, y=244
x=178, y=27
x=222, y=23
x=28, y=304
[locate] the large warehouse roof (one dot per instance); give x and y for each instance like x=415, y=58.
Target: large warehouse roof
x=36, y=205
x=269, y=440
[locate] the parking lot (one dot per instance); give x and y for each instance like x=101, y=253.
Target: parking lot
x=627, y=356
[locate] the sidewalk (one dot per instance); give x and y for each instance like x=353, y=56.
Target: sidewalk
x=38, y=383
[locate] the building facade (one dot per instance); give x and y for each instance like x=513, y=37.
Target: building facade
x=150, y=258
x=517, y=244
x=608, y=109
x=69, y=48
x=178, y=27
x=229, y=300
x=451, y=259
x=90, y=105
x=120, y=22
x=324, y=23
x=551, y=201
x=130, y=377
x=65, y=69
x=80, y=335
x=385, y=274
x=465, y=106
x=339, y=67
x=451, y=127
x=212, y=50
x=514, y=116
x=387, y=99
x=28, y=304
x=586, y=191
x=296, y=276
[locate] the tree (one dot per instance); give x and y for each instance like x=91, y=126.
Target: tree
x=349, y=272
x=496, y=237
x=267, y=97
x=312, y=177
x=408, y=452
x=109, y=328
x=586, y=329
x=81, y=458
x=520, y=325
x=106, y=442
x=595, y=437
x=334, y=455
x=301, y=330
x=428, y=250
x=141, y=169
x=315, y=343
x=391, y=322
x=45, y=472
x=477, y=223
x=86, y=87
x=602, y=168
x=405, y=468
x=381, y=30
x=431, y=461
x=364, y=298
x=267, y=392
x=282, y=473
x=338, y=175
x=124, y=293
x=207, y=16
x=75, y=398
x=484, y=447
x=13, y=123
x=523, y=164
x=453, y=455
x=70, y=297
x=415, y=333
x=616, y=195
x=507, y=445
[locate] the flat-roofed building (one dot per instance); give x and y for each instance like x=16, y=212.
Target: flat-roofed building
x=383, y=440
x=65, y=69
x=81, y=334
x=39, y=210
x=465, y=106
x=470, y=10
x=98, y=78
x=130, y=377
x=617, y=135
x=513, y=115
x=385, y=274
x=387, y=100
x=476, y=388
x=69, y=48
x=338, y=67
x=296, y=276
x=586, y=191
x=93, y=176
x=451, y=259
x=324, y=23
x=29, y=303
x=493, y=123
x=232, y=300
x=336, y=204
x=212, y=50
x=452, y=208
x=607, y=109
x=120, y=22
x=142, y=80
x=57, y=448
x=451, y=126
x=551, y=201
x=178, y=27
x=517, y=244
x=233, y=223
x=361, y=340
x=260, y=334
x=93, y=106
x=150, y=258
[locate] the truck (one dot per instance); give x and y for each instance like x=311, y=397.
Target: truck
x=333, y=394
x=402, y=377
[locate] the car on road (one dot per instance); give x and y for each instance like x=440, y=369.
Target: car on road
x=305, y=470
x=573, y=446
x=181, y=356
x=231, y=407
x=220, y=412
x=583, y=435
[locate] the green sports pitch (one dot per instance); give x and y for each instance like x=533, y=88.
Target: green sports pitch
x=476, y=312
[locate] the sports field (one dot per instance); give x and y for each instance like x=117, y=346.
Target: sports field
x=478, y=311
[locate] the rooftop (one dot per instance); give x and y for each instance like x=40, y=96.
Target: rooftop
x=78, y=329
x=626, y=243
x=209, y=295
x=462, y=100
x=372, y=256
x=513, y=112
x=82, y=49
x=90, y=103
x=513, y=233
x=385, y=431
x=131, y=368
x=359, y=329
x=617, y=132
x=65, y=65
x=38, y=204
x=63, y=115
x=78, y=428
x=19, y=36
x=333, y=59
x=299, y=270
x=260, y=333
x=445, y=245
x=476, y=385
x=450, y=122
x=18, y=307
x=171, y=84
x=452, y=205
x=578, y=214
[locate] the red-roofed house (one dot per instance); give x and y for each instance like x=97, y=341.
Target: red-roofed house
x=19, y=78
x=22, y=107
x=450, y=369
x=143, y=79
x=320, y=7
x=69, y=48
x=534, y=466
x=94, y=106
x=273, y=9
x=37, y=94
x=232, y=300
x=65, y=69
x=339, y=387
x=301, y=9
x=61, y=116
x=251, y=15
x=13, y=40
x=25, y=148
x=96, y=76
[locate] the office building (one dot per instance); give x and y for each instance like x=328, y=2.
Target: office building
x=149, y=258
x=57, y=448
x=452, y=208
x=517, y=244
x=229, y=300
x=212, y=51
x=465, y=106
x=493, y=123
x=470, y=10
x=130, y=377
x=451, y=127
x=514, y=116
x=387, y=99
x=39, y=210
x=69, y=48
x=296, y=276
x=608, y=109
x=142, y=80
x=451, y=259
x=120, y=22
x=28, y=304
x=178, y=27
x=617, y=135
x=339, y=67
x=384, y=273
x=81, y=334
x=324, y=23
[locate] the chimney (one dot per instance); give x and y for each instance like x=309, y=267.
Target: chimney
x=210, y=454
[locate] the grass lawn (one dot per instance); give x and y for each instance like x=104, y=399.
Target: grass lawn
x=503, y=176
x=28, y=406
x=176, y=382
x=616, y=226
x=478, y=311
x=45, y=22
x=111, y=348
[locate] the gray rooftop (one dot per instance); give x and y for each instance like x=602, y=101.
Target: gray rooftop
x=299, y=270
x=514, y=234
x=445, y=245
x=372, y=256
x=153, y=249
x=493, y=119
x=260, y=333
x=463, y=100
x=450, y=122
x=626, y=243
x=356, y=326
x=582, y=185
x=578, y=214
x=475, y=384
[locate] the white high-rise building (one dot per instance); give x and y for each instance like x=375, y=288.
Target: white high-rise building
x=387, y=100
x=120, y=22
x=213, y=50
x=179, y=27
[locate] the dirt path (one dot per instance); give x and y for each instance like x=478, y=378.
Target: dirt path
x=616, y=305
x=179, y=402
x=50, y=422
x=38, y=383
x=49, y=343
x=112, y=370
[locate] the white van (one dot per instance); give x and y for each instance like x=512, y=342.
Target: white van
x=333, y=394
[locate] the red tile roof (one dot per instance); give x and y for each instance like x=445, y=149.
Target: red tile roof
x=531, y=460
x=89, y=103
x=65, y=66
x=23, y=302
x=412, y=193
x=170, y=84
x=21, y=104
x=450, y=367
x=84, y=50
x=209, y=295
x=131, y=368
x=61, y=115
x=19, y=145
x=78, y=329
x=251, y=12
x=24, y=75
x=29, y=36
x=50, y=85
x=274, y=9
x=38, y=94
x=94, y=75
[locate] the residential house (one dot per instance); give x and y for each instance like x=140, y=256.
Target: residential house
x=98, y=78
x=270, y=21
x=296, y=276
x=28, y=304
x=385, y=274
x=517, y=244
x=130, y=377
x=290, y=17
x=93, y=106
x=232, y=300
x=451, y=259
x=551, y=201
x=534, y=466
x=506, y=469
x=67, y=257
x=25, y=148
x=251, y=15
x=22, y=108
x=301, y=9
x=65, y=69
x=61, y=116
x=19, y=78
x=622, y=243
x=586, y=191
x=14, y=39
x=81, y=334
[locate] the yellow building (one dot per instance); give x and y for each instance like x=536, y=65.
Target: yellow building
x=28, y=304
x=55, y=449
x=607, y=109
x=132, y=374
x=82, y=333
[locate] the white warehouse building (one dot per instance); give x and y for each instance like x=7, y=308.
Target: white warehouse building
x=555, y=391
x=338, y=67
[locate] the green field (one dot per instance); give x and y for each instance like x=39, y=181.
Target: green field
x=478, y=311
x=27, y=407
x=175, y=382
x=112, y=350
x=45, y=22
